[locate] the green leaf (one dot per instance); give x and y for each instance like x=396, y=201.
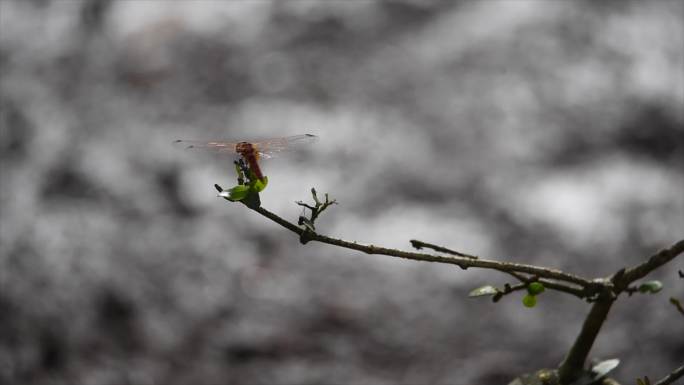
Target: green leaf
x=258, y=185
x=482, y=291
x=236, y=193
x=535, y=288
x=529, y=300
x=651, y=287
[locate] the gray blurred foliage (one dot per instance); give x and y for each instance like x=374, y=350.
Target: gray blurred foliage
x=547, y=132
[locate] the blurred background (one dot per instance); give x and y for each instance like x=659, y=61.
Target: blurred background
x=543, y=132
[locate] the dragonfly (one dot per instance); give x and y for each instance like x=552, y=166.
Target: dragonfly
x=252, y=151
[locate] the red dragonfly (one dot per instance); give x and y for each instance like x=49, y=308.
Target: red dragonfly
x=253, y=150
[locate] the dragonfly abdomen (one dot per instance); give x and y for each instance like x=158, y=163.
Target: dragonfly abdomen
x=251, y=156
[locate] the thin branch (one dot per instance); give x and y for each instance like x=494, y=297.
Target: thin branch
x=520, y=277
x=577, y=292
x=655, y=261
x=305, y=205
x=603, y=292
x=508, y=289
x=420, y=244
x=672, y=377
x=552, y=285
x=462, y=262
x=573, y=364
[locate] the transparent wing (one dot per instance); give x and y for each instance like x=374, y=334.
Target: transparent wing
x=215, y=146
x=269, y=148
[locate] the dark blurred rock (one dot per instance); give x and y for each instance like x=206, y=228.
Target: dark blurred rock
x=17, y=130
x=93, y=14
x=655, y=132
x=168, y=182
x=53, y=355
x=64, y=181
x=116, y=319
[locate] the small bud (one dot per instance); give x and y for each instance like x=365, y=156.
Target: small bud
x=535, y=288
x=529, y=300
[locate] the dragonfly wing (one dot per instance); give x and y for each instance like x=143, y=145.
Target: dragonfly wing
x=215, y=146
x=268, y=148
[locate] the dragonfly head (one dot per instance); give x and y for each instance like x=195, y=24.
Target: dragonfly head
x=244, y=148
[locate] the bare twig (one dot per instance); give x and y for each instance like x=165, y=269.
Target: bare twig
x=420, y=244
x=462, y=262
x=672, y=377
x=655, y=261
x=577, y=292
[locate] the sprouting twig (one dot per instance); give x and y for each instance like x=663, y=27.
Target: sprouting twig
x=316, y=210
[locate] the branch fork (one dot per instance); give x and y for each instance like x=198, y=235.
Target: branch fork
x=601, y=292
